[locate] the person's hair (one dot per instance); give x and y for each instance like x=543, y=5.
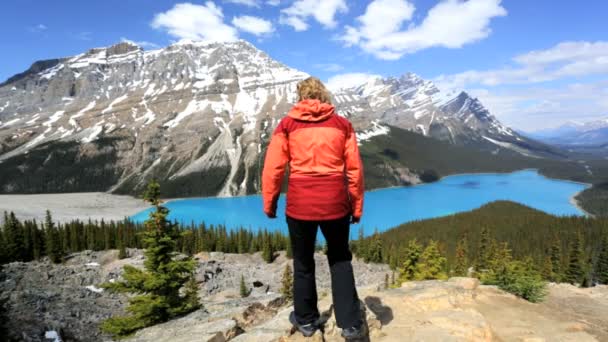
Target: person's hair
x=312, y=88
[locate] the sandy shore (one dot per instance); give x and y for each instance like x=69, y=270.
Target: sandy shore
x=67, y=207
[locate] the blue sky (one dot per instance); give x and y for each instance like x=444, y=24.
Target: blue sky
x=534, y=64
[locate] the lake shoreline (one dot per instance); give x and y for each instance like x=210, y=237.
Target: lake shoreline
x=97, y=205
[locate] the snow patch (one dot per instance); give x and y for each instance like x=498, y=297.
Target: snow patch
x=52, y=335
x=376, y=130
x=93, y=288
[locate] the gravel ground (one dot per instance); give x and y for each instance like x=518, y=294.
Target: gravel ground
x=67, y=207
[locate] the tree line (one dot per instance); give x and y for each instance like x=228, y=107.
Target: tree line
x=30, y=240
x=502, y=243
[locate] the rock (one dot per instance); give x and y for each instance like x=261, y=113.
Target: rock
x=465, y=283
x=189, y=329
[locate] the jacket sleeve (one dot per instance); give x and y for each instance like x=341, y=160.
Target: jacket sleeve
x=277, y=157
x=354, y=173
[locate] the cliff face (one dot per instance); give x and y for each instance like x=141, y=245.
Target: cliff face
x=66, y=299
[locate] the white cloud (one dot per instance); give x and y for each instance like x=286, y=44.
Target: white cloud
x=253, y=25
x=250, y=3
x=196, y=22
x=323, y=11
x=533, y=108
x=142, y=43
x=349, y=80
x=450, y=24
x=273, y=2
x=329, y=67
x=525, y=95
x=566, y=59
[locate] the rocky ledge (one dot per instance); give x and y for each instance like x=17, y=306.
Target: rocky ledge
x=62, y=298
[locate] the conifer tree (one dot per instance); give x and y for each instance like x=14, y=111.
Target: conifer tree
x=287, y=283
x=244, y=292
x=156, y=287
x=268, y=251
x=602, y=263
x=53, y=240
x=483, y=252
x=547, y=270
x=431, y=264
x=374, y=252
x=462, y=263
x=576, y=270
x=411, y=259
x=3, y=254
x=556, y=260
x=13, y=233
x=361, y=249
x=289, y=251
x=37, y=242
x=191, y=295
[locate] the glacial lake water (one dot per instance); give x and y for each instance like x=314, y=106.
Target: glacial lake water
x=387, y=208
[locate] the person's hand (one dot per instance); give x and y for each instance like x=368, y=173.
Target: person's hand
x=354, y=219
x=271, y=215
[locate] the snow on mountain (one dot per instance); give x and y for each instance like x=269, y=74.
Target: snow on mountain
x=197, y=115
x=575, y=133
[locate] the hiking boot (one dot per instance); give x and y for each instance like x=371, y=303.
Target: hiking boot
x=354, y=333
x=306, y=329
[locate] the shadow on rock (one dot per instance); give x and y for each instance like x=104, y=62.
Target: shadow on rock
x=383, y=313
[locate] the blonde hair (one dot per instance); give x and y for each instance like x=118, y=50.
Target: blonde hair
x=312, y=88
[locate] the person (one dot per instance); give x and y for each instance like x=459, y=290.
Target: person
x=325, y=189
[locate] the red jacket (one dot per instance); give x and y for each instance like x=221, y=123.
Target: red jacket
x=325, y=170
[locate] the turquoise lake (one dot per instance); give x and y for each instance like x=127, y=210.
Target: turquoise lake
x=387, y=208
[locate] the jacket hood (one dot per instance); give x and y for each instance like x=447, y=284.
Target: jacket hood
x=311, y=110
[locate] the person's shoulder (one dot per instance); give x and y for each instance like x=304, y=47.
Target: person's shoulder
x=284, y=125
x=344, y=122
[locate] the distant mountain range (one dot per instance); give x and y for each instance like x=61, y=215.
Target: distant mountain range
x=198, y=117
x=577, y=134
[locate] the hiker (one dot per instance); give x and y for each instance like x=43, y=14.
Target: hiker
x=325, y=189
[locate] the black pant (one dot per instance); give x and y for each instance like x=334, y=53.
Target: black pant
x=303, y=236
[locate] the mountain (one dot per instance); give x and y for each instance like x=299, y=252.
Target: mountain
x=411, y=103
x=576, y=134
x=198, y=116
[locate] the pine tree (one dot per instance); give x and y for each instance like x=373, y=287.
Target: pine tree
x=431, y=264
x=547, y=270
x=268, y=251
x=156, y=287
x=374, y=253
x=361, y=249
x=462, y=263
x=602, y=263
x=576, y=270
x=3, y=254
x=191, y=295
x=412, y=256
x=13, y=234
x=244, y=292
x=287, y=283
x=289, y=251
x=483, y=251
x=53, y=240
x=556, y=260
x=122, y=250
x=37, y=242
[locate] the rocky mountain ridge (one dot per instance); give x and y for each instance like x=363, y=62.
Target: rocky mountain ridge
x=197, y=116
